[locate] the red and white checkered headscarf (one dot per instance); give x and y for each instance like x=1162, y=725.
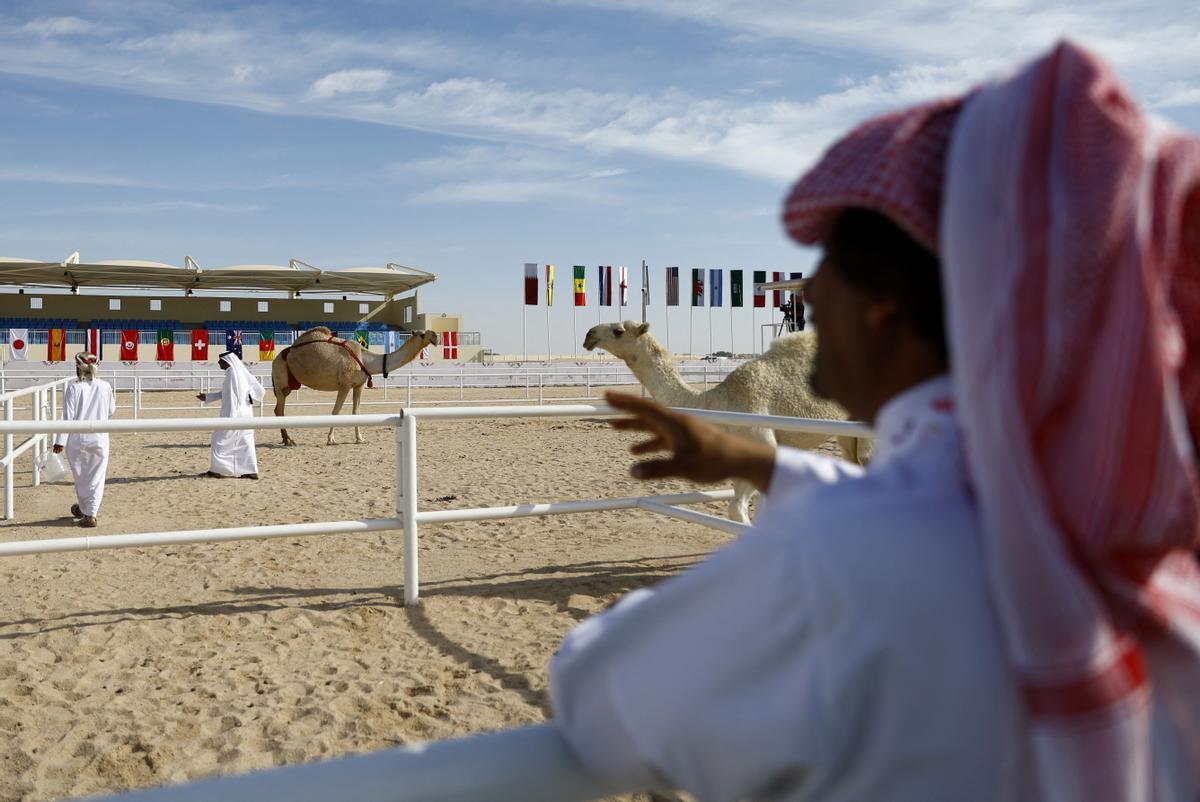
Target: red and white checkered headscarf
x=1068, y=226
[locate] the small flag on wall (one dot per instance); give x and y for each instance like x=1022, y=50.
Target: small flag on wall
x=697, y=286
x=200, y=345
x=57, y=345
x=362, y=338
x=531, y=290
x=672, y=286
x=166, y=346
x=129, y=344
x=716, y=291
x=233, y=341
x=266, y=345
x=777, y=295
x=760, y=295
x=450, y=345
x=95, y=343
x=18, y=344
x=580, y=286
x=645, y=284
x=735, y=288
x=549, y=285
x=623, y=285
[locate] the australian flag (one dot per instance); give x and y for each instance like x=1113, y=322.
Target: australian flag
x=233, y=341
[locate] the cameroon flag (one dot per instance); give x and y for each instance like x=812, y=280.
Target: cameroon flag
x=266, y=346
x=580, y=286
x=166, y=346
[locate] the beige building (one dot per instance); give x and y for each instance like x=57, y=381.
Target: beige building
x=263, y=303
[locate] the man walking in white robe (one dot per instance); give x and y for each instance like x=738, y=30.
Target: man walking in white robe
x=233, y=451
x=86, y=398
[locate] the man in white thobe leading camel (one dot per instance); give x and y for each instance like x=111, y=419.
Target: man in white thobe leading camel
x=86, y=398
x=233, y=451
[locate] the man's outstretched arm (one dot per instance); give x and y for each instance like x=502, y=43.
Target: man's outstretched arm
x=700, y=451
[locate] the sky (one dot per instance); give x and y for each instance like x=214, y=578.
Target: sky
x=467, y=138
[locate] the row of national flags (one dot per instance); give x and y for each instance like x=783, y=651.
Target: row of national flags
x=128, y=347
x=605, y=295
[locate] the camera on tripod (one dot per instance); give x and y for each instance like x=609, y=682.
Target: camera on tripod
x=793, y=316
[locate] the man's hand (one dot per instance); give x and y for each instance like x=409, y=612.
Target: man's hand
x=58, y=449
x=700, y=451
x=200, y=396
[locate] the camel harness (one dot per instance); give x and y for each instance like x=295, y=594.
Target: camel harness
x=294, y=383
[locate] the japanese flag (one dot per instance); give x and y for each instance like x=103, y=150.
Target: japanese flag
x=18, y=344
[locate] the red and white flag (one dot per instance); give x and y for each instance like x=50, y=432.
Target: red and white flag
x=94, y=342
x=129, y=343
x=450, y=345
x=624, y=285
x=199, y=345
x=531, y=282
x=18, y=344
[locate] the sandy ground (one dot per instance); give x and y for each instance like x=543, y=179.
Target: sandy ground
x=124, y=669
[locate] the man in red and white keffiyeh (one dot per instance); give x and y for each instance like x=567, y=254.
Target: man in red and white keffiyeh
x=1068, y=226
x=1006, y=603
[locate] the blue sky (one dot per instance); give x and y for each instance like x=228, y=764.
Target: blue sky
x=467, y=138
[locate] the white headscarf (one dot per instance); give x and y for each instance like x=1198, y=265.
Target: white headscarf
x=241, y=381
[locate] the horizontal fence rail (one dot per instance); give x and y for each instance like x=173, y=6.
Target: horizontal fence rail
x=532, y=763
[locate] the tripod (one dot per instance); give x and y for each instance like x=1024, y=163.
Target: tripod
x=790, y=322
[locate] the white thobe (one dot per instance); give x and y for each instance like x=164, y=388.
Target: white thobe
x=233, y=451
x=87, y=453
x=844, y=649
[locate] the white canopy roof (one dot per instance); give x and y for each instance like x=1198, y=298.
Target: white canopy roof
x=296, y=276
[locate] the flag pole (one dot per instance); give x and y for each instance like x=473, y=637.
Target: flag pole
x=732, y=350
x=574, y=327
x=548, y=355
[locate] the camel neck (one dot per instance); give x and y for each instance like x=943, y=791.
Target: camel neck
x=656, y=371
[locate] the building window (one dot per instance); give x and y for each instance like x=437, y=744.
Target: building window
x=408, y=313
x=364, y=308
x=35, y=303
x=263, y=306
x=114, y=304
x=155, y=305
x=329, y=308
x=226, y=306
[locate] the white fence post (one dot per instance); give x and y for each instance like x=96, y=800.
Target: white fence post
x=406, y=483
x=39, y=444
x=137, y=394
x=408, y=401
x=8, y=466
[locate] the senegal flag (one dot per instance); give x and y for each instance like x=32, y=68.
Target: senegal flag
x=166, y=346
x=266, y=346
x=580, y=286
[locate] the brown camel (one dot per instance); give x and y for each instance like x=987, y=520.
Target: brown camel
x=321, y=361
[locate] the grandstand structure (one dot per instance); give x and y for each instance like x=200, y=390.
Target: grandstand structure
x=260, y=304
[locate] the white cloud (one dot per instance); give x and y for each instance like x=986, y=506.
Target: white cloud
x=61, y=26
x=350, y=82
x=769, y=127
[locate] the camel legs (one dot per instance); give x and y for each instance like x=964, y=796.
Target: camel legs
x=337, y=408
x=355, y=397
x=280, y=400
x=853, y=450
x=744, y=492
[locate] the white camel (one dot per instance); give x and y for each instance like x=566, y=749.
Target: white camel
x=319, y=360
x=775, y=383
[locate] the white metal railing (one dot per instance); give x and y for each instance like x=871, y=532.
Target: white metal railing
x=532, y=763
x=44, y=408
x=528, y=764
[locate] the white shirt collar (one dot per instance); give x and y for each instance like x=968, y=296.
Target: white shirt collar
x=922, y=410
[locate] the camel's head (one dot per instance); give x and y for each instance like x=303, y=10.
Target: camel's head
x=427, y=337
x=617, y=338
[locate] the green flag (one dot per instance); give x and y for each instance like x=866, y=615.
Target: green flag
x=166, y=346
x=362, y=338
x=735, y=287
